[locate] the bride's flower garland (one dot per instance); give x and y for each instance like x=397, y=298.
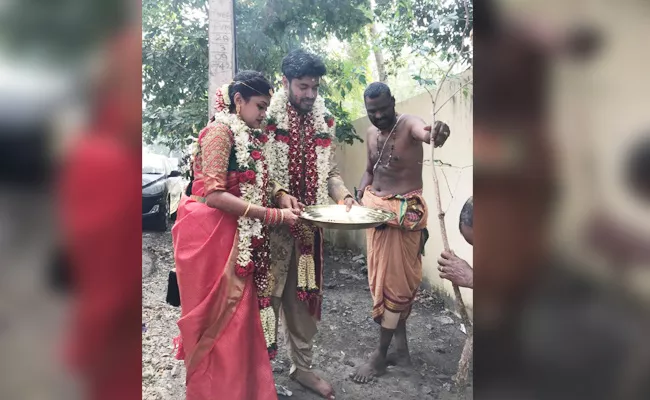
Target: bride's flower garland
x=252, y=150
x=293, y=154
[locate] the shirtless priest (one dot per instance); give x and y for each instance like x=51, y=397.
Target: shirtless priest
x=393, y=182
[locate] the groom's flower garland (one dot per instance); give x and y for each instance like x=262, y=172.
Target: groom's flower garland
x=295, y=153
x=252, y=150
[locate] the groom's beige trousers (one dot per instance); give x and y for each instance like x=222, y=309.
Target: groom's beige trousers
x=299, y=325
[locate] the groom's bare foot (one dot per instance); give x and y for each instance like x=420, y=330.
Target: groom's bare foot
x=375, y=367
x=312, y=382
x=400, y=358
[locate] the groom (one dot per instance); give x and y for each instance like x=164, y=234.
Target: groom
x=303, y=131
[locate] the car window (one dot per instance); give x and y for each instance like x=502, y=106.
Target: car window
x=153, y=165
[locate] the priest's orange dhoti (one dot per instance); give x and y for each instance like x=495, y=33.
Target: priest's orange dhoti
x=395, y=252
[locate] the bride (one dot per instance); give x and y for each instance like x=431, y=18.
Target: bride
x=221, y=249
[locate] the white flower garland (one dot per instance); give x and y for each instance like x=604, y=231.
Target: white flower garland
x=279, y=164
x=267, y=317
x=248, y=227
x=323, y=167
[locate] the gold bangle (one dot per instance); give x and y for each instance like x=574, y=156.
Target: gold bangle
x=247, y=209
x=281, y=217
x=280, y=193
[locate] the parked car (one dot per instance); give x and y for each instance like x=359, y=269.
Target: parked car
x=161, y=190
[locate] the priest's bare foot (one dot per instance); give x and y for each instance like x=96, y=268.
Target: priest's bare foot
x=375, y=367
x=400, y=358
x=312, y=382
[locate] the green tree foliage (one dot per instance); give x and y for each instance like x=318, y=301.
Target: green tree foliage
x=175, y=56
x=175, y=65
x=175, y=51
x=346, y=80
x=433, y=29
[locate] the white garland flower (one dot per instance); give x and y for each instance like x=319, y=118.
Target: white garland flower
x=279, y=166
x=319, y=111
x=278, y=109
x=323, y=168
x=268, y=150
x=322, y=153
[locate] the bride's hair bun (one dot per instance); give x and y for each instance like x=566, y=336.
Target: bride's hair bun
x=248, y=84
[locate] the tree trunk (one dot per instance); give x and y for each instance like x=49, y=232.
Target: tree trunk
x=221, y=39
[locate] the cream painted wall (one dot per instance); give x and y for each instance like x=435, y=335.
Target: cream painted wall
x=455, y=181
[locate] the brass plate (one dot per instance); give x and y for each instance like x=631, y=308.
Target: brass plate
x=335, y=217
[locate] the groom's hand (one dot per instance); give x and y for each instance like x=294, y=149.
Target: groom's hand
x=288, y=201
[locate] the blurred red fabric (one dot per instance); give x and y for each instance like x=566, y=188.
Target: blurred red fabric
x=100, y=209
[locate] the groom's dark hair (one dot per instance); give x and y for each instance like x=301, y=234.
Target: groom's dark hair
x=300, y=63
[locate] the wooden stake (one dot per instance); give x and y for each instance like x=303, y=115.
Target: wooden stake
x=462, y=375
x=460, y=304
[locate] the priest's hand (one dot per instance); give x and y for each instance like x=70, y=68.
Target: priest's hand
x=349, y=202
x=440, y=133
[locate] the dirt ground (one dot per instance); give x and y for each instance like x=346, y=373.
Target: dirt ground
x=346, y=337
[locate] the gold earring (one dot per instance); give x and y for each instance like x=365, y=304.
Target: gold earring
x=238, y=110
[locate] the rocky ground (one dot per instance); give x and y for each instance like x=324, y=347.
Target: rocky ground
x=346, y=336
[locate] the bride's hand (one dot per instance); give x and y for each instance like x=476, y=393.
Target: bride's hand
x=290, y=216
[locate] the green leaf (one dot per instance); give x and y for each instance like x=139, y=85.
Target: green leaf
x=362, y=80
